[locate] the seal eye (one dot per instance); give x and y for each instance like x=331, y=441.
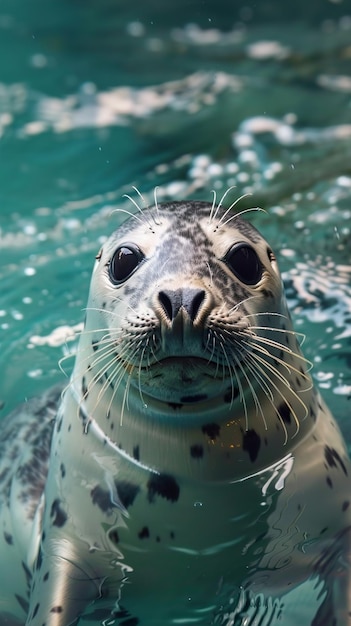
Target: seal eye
x=244, y=263
x=124, y=262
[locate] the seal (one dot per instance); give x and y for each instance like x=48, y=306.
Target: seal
x=191, y=472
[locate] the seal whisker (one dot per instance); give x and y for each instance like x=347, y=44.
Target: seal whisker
x=65, y=358
x=214, y=215
x=213, y=191
x=256, y=369
x=130, y=214
x=257, y=403
x=287, y=350
x=145, y=218
x=125, y=396
x=140, y=366
x=157, y=219
x=141, y=198
x=236, y=215
x=210, y=274
x=241, y=391
x=286, y=331
x=236, y=306
x=289, y=367
x=221, y=221
x=237, y=348
x=270, y=367
x=142, y=209
x=262, y=384
x=115, y=378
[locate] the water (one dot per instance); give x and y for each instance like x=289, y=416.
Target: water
x=96, y=98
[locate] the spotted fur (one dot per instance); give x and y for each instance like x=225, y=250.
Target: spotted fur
x=191, y=471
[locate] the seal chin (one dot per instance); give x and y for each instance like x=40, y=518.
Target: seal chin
x=184, y=380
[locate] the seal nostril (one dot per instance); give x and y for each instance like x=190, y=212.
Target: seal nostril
x=166, y=302
x=195, y=301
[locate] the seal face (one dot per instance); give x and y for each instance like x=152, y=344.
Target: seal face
x=192, y=473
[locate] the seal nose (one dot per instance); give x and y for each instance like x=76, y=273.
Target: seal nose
x=190, y=300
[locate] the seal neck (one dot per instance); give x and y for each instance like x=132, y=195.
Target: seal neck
x=213, y=442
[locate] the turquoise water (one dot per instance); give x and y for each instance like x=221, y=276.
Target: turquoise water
x=99, y=97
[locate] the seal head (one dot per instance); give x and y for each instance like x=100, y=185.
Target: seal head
x=189, y=326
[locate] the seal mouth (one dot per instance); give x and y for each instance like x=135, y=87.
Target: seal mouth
x=185, y=380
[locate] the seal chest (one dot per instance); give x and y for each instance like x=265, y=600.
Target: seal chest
x=192, y=473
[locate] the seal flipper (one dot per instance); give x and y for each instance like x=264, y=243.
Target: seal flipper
x=61, y=590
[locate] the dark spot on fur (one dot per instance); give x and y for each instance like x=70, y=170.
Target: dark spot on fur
x=144, y=533
x=162, y=485
x=127, y=492
x=39, y=559
x=172, y=535
x=27, y=572
x=84, y=388
x=62, y=470
x=56, y=609
x=8, y=538
x=102, y=498
x=36, y=609
x=196, y=398
x=333, y=458
x=59, y=424
x=58, y=514
x=285, y=413
x=251, y=444
x=95, y=344
x=175, y=405
x=345, y=505
x=83, y=416
x=196, y=451
x=211, y=430
x=46, y=576
x=230, y=395
x=329, y=482
x=136, y=453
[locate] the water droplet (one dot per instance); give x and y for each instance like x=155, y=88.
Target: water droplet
x=197, y=504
